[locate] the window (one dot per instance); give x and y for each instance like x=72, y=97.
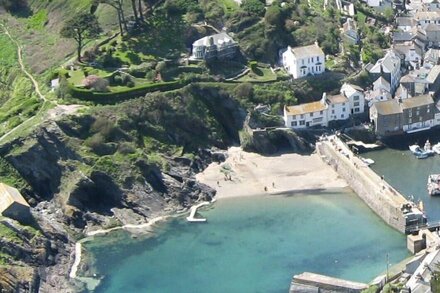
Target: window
x=427, y=110
x=417, y=112
x=409, y=120
x=293, y=123
x=302, y=115
x=302, y=122
x=311, y=114
x=410, y=113
x=293, y=117
x=355, y=98
x=312, y=59
x=356, y=104
x=333, y=105
x=317, y=59
x=333, y=111
x=356, y=110
x=343, y=104
x=302, y=62
x=342, y=116
x=343, y=109
x=321, y=112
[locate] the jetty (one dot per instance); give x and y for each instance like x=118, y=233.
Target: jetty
x=387, y=202
x=310, y=282
x=193, y=211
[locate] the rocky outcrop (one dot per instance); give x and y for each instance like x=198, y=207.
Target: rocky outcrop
x=68, y=195
x=271, y=141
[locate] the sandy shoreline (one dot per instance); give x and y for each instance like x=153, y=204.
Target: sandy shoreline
x=246, y=174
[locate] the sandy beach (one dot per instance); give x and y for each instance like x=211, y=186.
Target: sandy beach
x=245, y=174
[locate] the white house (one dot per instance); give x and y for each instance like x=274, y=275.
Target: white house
x=220, y=46
x=355, y=96
x=302, y=61
x=306, y=115
x=329, y=108
x=389, y=68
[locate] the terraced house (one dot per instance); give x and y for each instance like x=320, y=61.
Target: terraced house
x=410, y=115
x=350, y=101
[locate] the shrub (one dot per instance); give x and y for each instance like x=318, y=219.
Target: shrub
x=96, y=83
x=126, y=148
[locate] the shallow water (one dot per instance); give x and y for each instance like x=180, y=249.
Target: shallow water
x=252, y=245
x=409, y=175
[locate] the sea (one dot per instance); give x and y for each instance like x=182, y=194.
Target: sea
x=251, y=244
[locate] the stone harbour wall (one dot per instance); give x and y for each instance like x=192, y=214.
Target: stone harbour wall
x=382, y=198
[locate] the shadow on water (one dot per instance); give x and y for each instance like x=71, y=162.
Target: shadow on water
x=401, y=142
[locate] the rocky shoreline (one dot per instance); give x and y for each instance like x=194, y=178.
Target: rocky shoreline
x=61, y=195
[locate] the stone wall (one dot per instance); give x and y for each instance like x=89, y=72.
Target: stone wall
x=382, y=198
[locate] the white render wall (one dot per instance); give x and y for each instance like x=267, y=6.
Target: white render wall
x=293, y=64
x=306, y=120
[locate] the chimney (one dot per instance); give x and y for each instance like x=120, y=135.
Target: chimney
x=316, y=43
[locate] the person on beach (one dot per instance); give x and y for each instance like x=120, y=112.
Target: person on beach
x=265, y=188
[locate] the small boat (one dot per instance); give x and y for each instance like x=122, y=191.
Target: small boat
x=427, y=148
x=419, y=152
x=367, y=161
x=436, y=148
x=434, y=184
x=415, y=149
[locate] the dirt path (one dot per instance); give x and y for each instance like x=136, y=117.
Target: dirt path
x=58, y=111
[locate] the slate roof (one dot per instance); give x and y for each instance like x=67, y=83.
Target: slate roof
x=218, y=39
x=305, y=108
x=433, y=74
x=405, y=21
x=307, y=51
x=337, y=99
x=389, y=107
x=417, y=101
x=388, y=63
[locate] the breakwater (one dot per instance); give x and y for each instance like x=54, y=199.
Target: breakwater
x=382, y=198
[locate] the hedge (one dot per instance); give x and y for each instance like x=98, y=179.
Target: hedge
x=124, y=94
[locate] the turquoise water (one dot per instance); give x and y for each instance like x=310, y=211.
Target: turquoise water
x=409, y=175
x=252, y=245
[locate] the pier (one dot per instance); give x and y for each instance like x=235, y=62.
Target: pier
x=309, y=282
x=382, y=198
x=193, y=211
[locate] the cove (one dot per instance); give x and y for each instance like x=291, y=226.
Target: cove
x=251, y=244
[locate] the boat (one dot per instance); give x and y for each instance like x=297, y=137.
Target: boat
x=436, y=148
x=419, y=152
x=367, y=161
x=427, y=148
x=434, y=184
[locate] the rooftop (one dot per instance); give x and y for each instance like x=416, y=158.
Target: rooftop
x=217, y=39
x=305, y=108
x=307, y=51
x=337, y=99
x=9, y=195
x=417, y=101
x=388, y=107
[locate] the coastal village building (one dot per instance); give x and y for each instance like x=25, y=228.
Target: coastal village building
x=13, y=205
x=303, y=61
x=220, y=46
x=388, y=67
x=350, y=101
x=410, y=115
x=349, y=31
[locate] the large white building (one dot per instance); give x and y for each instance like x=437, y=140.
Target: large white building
x=350, y=101
x=302, y=61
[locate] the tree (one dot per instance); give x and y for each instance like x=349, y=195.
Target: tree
x=118, y=5
x=80, y=28
x=135, y=12
x=255, y=7
x=13, y=5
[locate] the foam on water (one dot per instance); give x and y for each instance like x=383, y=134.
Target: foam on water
x=252, y=245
